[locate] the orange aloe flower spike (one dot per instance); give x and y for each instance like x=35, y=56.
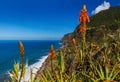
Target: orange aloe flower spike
x=52, y=51
x=83, y=18
x=74, y=42
x=21, y=48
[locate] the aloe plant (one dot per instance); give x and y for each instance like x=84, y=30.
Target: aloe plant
x=103, y=74
x=14, y=75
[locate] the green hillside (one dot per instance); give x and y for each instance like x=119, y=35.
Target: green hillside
x=106, y=22
x=110, y=17
x=95, y=60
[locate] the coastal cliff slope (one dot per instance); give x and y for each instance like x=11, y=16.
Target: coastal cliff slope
x=105, y=23
x=103, y=48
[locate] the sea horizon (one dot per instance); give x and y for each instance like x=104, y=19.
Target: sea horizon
x=31, y=39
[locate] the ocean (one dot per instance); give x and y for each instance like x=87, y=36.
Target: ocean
x=35, y=53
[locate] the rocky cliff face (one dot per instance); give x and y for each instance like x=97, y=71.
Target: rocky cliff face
x=99, y=33
x=67, y=38
x=102, y=24
x=92, y=34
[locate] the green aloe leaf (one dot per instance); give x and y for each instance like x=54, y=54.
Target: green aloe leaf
x=62, y=62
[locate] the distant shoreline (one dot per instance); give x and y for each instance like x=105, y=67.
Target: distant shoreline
x=36, y=52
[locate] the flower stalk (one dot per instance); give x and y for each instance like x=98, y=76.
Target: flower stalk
x=22, y=56
x=51, y=54
x=83, y=19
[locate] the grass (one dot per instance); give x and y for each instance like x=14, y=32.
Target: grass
x=91, y=62
x=90, y=65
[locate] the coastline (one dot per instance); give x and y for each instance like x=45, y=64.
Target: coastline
x=38, y=65
x=35, y=67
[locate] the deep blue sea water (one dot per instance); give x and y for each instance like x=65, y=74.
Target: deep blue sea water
x=34, y=50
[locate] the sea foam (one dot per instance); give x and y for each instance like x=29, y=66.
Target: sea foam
x=33, y=67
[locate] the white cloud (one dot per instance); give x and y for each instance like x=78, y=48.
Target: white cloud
x=105, y=5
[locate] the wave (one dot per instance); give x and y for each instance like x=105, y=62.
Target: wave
x=60, y=43
x=33, y=67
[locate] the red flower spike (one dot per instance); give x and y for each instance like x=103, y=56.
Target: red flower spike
x=83, y=19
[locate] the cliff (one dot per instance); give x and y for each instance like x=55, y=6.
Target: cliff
x=105, y=23
x=72, y=64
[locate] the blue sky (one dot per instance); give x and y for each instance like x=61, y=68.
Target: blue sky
x=42, y=19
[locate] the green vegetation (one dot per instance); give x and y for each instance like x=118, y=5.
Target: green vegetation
x=105, y=23
x=97, y=61
x=108, y=18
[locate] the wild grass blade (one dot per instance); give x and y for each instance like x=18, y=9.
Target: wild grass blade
x=62, y=62
x=94, y=80
x=107, y=72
